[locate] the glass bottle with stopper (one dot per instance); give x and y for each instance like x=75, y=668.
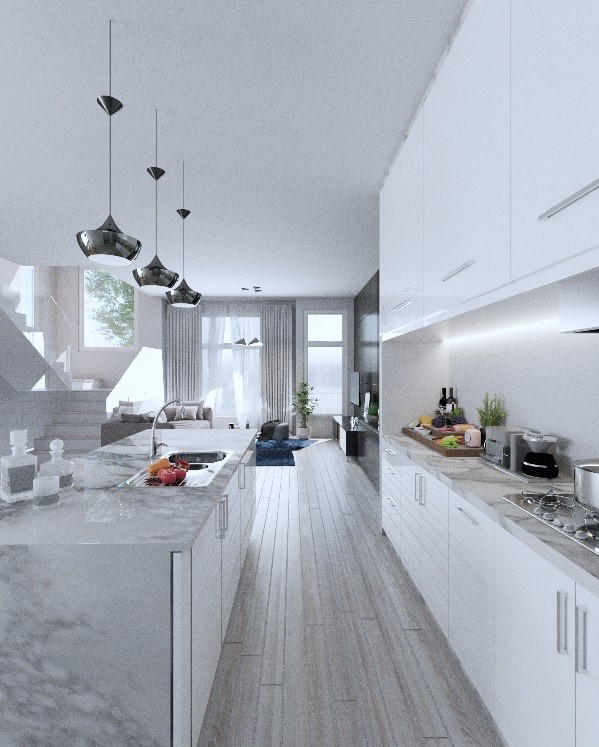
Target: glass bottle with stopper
x=58, y=466
x=18, y=470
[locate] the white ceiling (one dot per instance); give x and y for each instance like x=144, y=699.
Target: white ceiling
x=288, y=115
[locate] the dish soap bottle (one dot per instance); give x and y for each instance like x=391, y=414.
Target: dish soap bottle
x=58, y=466
x=18, y=470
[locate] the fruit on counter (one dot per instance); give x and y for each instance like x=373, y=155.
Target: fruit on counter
x=167, y=476
x=438, y=421
x=180, y=472
x=155, y=467
x=426, y=420
x=413, y=423
x=450, y=442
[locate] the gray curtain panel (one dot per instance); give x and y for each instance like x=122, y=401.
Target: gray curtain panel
x=276, y=334
x=181, y=352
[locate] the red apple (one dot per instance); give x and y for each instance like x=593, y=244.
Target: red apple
x=181, y=472
x=167, y=476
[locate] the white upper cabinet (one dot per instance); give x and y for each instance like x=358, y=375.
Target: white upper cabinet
x=401, y=236
x=467, y=162
x=555, y=130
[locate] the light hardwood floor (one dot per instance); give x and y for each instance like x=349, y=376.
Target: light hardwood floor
x=329, y=642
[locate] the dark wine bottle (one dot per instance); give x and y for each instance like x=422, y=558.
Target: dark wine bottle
x=443, y=400
x=452, y=402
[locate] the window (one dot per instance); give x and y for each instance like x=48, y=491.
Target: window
x=108, y=311
x=325, y=361
x=231, y=373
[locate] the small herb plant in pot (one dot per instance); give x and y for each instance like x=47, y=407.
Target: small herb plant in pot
x=372, y=416
x=492, y=413
x=304, y=405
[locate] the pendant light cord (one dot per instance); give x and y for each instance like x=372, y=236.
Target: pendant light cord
x=156, y=183
x=110, y=118
x=184, y=221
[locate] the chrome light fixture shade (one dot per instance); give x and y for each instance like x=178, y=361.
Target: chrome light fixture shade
x=154, y=279
x=108, y=245
x=183, y=296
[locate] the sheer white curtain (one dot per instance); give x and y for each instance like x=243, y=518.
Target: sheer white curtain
x=231, y=374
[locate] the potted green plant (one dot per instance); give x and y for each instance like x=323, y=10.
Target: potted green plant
x=304, y=405
x=372, y=416
x=492, y=414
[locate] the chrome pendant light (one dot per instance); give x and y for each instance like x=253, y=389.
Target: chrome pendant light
x=183, y=296
x=154, y=279
x=108, y=245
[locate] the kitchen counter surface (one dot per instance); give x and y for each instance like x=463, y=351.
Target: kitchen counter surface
x=96, y=511
x=483, y=487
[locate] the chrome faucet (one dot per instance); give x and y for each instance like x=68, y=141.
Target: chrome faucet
x=153, y=445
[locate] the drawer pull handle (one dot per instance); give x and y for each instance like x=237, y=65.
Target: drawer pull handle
x=467, y=515
x=562, y=622
x=570, y=200
x=390, y=451
x=390, y=501
x=580, y=627
x=391, y=471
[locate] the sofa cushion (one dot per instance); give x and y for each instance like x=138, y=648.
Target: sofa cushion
x=189, y=424
x=132, y=417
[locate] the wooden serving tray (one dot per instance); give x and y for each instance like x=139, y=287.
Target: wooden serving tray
x=461, y=451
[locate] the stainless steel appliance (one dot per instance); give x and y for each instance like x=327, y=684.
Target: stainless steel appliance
x=560, y=511
x=586, y=484
x=521, y=452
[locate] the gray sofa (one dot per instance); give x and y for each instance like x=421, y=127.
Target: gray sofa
x=115, y=429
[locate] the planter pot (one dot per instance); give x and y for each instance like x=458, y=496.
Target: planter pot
x=303, y=432
x=372, y=419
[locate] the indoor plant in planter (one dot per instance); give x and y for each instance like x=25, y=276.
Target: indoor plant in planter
x=492, y=413
x=304, y=405
x=372, y=416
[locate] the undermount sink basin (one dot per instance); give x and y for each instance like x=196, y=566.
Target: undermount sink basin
x=203, y=468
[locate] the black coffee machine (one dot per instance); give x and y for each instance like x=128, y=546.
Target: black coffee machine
x=539, y=461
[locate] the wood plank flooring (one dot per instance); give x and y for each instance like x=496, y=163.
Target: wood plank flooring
x=329, y=642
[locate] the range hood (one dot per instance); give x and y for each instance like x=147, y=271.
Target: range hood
x=579, y=303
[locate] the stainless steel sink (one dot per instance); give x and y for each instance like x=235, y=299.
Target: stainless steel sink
x=203, y=468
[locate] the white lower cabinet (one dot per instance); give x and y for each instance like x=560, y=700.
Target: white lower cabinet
x=471, y=594
x=391, y=497
x=586, y=633
x=534, y=648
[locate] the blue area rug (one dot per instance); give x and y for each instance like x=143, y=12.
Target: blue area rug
x=279, y=453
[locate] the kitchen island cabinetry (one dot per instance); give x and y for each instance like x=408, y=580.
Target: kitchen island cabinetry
x=114, y=601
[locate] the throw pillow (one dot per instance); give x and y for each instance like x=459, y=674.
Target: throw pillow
x=161, y=417
x=131, y=417
x=190, y=413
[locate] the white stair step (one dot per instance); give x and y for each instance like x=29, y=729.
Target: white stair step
x=83, y=418
x=89, y=395
x=71, y=446
x=72, y=431
x=84, y=406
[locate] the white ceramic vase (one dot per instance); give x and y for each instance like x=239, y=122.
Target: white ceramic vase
x=303, y=432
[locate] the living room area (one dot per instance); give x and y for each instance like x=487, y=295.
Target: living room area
x=235, y=362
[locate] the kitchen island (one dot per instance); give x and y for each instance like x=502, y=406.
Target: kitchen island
x=114, y=602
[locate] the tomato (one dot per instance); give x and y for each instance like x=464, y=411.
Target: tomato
x=182, y=463
x=167, y=476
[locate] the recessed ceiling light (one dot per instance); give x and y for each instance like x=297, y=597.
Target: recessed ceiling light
x=245, y=289
x=258, y=290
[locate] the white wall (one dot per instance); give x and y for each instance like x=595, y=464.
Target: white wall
x=108, y=364
x=322, y=425
x=548, y=380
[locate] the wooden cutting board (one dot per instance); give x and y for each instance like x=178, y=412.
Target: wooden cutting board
x=461, y=451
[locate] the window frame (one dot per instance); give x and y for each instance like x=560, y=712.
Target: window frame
x=328, y=344
x=112, y=348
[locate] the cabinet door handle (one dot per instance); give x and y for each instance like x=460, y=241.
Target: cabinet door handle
x=240, y=473
x=580, y=629
x=416, y=487
x=467, y=515
x=390, y=451
x=389, y=500
x=421, y=490
x=570, y=200
x=221, y=518
x=562, y=622
x=457, y=271
x=391, y=471
x=226, y=510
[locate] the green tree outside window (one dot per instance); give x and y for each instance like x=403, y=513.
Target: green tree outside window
x=110, y=304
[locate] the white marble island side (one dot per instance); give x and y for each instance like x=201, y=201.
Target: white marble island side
x=108, y=598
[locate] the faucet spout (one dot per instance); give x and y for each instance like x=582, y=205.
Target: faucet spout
x=153, y=444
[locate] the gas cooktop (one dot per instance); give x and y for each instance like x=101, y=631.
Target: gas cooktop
x=560, y=511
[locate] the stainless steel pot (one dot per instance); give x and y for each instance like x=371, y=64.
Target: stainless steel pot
x=586, y=484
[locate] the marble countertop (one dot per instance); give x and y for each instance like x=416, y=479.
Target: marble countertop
x=96, y=511
x=483, y=487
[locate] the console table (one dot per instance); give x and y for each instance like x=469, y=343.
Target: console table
x=346, y=435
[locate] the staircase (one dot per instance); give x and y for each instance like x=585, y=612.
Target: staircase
x=78, y=424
